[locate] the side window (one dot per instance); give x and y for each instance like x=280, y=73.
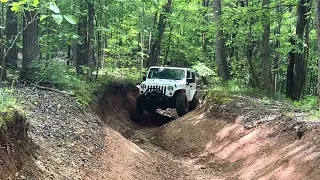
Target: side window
x=193, y=77
x=188, y=74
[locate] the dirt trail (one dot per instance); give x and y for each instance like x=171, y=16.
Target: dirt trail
x=238, y=140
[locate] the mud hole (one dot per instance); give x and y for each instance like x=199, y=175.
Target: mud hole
x=215, y=141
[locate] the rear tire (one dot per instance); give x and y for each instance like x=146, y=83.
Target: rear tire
x=182, y=105
x=194, y=103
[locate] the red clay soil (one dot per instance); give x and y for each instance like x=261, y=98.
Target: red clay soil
x=204, y=144
x=238, y=141
x=269, y=151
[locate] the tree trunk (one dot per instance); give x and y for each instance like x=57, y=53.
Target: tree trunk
x=221, y=59
x=290, y=83
x=317, y=13
x=266, y=62
x=2, y=58
x=90, y=45
x=30, y=45
x=168, y=46
x=277, y=57
x=82, y=54
x=11, y=33
x=306, y=52
x=299, y=58
x=205, y=3
x=155, y=47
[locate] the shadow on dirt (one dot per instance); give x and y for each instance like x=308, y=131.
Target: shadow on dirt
x=152, y=119
x=117, y=108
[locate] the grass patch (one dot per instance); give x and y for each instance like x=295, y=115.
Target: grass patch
x=7, y=99
x=7, y=104
x=223, y=93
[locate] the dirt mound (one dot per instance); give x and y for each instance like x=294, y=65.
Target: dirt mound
x=66, y=136
x=269, y=149
x=125, y=160
x=14, y=147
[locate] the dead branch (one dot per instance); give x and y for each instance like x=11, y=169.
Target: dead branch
x=54, y=90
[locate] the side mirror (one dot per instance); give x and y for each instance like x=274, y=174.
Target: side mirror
x=144, y=78
x=189, y=80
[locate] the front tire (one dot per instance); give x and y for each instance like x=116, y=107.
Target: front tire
x=182, y=105
x=152, y=111
x=139, y=104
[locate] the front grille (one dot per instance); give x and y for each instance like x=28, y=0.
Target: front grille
x=163, y=89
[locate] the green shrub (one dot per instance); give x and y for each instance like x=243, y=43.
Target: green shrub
x=57, y=74
x=7, y=98
x=307, y=103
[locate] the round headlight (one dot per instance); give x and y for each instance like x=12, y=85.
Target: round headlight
x=143, y=86
x=170, y=88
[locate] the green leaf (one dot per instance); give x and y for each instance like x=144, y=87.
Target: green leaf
x=57, y=18
x=4, y=1
x=42, y=17
x=53, y=7
x=35, y=3
x=71, y=19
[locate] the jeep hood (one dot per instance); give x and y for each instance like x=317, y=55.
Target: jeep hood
x=163, y=81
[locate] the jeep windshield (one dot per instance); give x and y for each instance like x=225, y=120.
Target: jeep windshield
x=166, y=73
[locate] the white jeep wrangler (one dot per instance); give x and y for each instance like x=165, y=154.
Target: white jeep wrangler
x=168, y=87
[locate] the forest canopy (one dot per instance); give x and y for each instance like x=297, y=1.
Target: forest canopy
x=268, y=44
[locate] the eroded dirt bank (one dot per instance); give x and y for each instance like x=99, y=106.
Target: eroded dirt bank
x=14, y=145
x=241, y=139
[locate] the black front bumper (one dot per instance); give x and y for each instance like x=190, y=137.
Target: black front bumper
x=152, y=100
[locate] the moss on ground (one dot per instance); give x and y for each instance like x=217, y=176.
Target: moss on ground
x=9, y=115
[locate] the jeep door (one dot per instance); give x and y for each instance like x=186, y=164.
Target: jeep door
x=191, y=87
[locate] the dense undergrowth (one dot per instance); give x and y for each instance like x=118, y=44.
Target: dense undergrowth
x=58, y=75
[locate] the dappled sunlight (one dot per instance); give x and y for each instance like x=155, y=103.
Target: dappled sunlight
x=209, y=145
x=138, y=150
x=311, y=156
x=232, y=129
x=201, y=116
x=263, y=157
x=295, y=150
x=227, y=151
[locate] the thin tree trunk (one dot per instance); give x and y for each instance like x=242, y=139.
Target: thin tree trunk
x=2, y=58
x=98, y=65
x=290, y=83
x=277, y=57
x=221, y=59
x=82, y=54
x=266, y=62
x=168, y=46
x=90, y=44
x=30, y=45
x=11, y=33
x=317, y=13
x=306, y=52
